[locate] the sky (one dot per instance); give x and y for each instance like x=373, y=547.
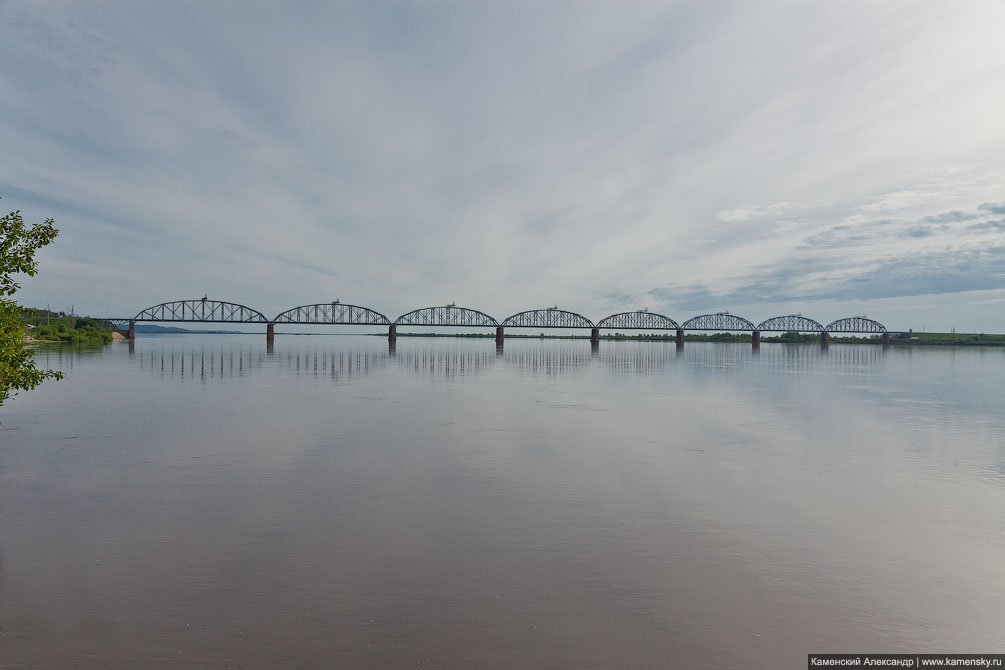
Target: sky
x=765, y=158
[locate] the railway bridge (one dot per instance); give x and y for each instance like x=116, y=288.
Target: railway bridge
x=337, y=313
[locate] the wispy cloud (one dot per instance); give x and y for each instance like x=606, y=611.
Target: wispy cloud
x=992, y=207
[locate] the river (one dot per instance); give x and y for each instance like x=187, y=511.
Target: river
x=196, y=501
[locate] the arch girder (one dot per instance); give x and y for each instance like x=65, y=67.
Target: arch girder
x=790, y=323
x=638, y=321
x=216, y=311
x=449, y=315
x=547, y=318
x=855, y=324
x=720, y=321
x=333, y=313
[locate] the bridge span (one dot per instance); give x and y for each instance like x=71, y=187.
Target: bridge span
x=337, y=313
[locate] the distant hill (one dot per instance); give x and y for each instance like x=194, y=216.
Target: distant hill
x=151, y=328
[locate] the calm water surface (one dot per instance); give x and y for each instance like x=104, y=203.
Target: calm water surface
x=197, y=502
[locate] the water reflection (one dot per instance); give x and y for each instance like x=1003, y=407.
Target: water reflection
x=443, y=361
x=200, y=362
x=332, y=362
x=550, y=506
x=346, y=358
x=637, y=358
x=549, y=358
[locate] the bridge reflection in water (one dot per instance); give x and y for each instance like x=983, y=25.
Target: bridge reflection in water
x=353, y=357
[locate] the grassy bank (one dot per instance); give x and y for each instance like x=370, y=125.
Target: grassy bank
x=45, y=326
x=952, y=339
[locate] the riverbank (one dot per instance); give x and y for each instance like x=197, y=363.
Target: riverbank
x=69, y=331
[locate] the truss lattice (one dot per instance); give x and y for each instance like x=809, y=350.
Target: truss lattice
x=547, y=318
x=790, y=323
x=333, y=313
x=719, y=322
x=450, y=315
x=638, y=321
x=855, y=324
x=201, y=311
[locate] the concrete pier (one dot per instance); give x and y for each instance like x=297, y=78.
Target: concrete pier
x=755, y=340
x=132, y=330
x=680, y=339
x=595, y=336
x=392, y=334
x=825, y=339
x=499, y=336
x=270, y=333
x=886, y=339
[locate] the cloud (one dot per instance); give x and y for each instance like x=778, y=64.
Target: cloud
x=949, y=217
x=920, y=231
x=738, y=214
x=992, y=207
x=988, y=225
x=822, y=279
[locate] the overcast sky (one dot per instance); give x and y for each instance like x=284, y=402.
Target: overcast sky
x=829, y=158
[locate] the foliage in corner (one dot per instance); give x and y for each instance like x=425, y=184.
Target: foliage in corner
x=17, y=254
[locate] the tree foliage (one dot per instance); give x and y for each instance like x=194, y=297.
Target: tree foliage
x=18, y=245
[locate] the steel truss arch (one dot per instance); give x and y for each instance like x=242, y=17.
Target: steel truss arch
x=216, y=311
x=856, y=324
x=449, y=315
x=333, y=313
x=547, y=318
x=790, y=323
x=640, y=320
x=719, y=321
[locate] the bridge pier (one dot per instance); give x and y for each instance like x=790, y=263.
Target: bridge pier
x=886, y=339
x=755, y=340
x=270, y=334
x=680, y=339
x=825, y=338
x=595, y=336
x=132, y=331
x=392, y=333
x=499, y=336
